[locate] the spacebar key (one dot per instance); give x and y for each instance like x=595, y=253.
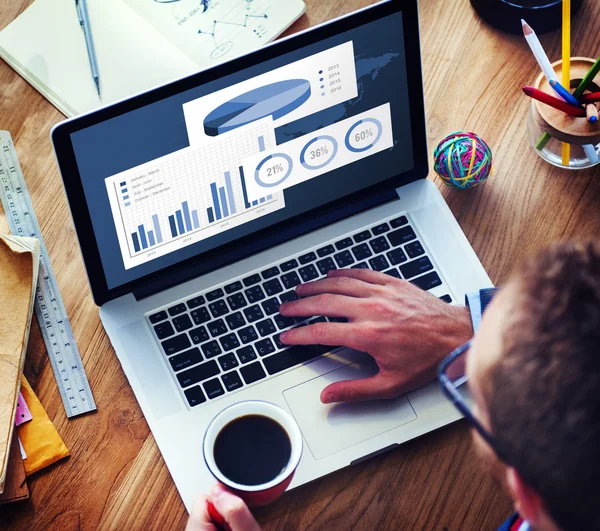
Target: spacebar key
x=294, y=356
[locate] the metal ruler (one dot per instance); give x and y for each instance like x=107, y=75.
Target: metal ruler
x=49, y=307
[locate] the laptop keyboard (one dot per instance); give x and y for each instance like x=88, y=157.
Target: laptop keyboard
x=227, y=338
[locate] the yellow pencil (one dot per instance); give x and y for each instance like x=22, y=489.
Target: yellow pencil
x=566, y=65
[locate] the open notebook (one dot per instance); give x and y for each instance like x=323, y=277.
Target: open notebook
x=139, y=43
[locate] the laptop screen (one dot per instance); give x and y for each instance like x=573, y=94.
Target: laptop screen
x=194, y=171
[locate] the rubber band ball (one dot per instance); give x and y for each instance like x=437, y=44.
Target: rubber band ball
x=463, y=160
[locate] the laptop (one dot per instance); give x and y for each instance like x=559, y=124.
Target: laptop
x=200, y=205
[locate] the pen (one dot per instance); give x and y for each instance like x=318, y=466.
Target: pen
x=539, y=95
x=84, y=21
x=564, y=93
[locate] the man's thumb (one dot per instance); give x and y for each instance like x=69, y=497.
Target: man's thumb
x=357, y=390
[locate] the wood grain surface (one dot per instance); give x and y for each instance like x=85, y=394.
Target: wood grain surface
x=116, y=479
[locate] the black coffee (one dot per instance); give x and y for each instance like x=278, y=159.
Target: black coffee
x=252, y=450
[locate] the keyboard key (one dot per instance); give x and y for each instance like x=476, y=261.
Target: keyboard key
x=198, y=374
x=232, y=288
x=290, y=280
x=186, y=359
x=232, y=381
x=379, y=263
x=176, y=344
x=344, y=244
x=397, y=256
x=277, y=340
x=195, y=396
x=265, y=347
x=294, y=356
x=416, y=267
x=362, y=251
x=308, y=273
x=254, y=313
x=266, y=327
x=211, y=349
x=393, y=273
x=228, y=362
x=235, y=320
x=158, y=317
x=229, y=342
x=414, y=249
x=289, y=265
x=362, y=236
x=270, y=273
x=399, y=222
x=326, y=265
x=217, y=328
x=182, y=323
x=255, y=294
x=400, y=236
x=236, y=301
x=344, y=259
x=307, y=258
x=428, y=281
x=327, y=250
x=246, y=354
x=361, y=265
x=176, y=310
x=446, y=298
x=271, y=306
x=251, y=280
x=200, y=316
x=199, y=335
x=218, y=308
x=379, y=245
x=380, y=229
x=195, y=302
x=214, y=295
x=272, y=287
x=163, y=330
x=213, y=388
x=248, y=334
x=289, y=296
x=317, y=320
x=253, y=372
x=283, y=322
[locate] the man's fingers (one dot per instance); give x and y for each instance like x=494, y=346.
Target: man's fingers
x=375, y=387
x=366, y=275
x=324, y=304
x=341, y=285
x=330, y=334
x=233, y=509
x=199, y=518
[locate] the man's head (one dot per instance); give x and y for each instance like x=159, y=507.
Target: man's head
x=534, y=372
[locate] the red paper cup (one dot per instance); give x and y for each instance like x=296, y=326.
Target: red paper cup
x=255, y=495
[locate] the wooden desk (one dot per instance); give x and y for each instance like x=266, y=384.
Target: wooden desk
x=116, y=478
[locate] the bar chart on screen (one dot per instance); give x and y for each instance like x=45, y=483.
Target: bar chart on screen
x=187, y=196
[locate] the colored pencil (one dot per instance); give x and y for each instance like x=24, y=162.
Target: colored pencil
x=548, y=99
x=589, y=77
x=592, y=97
x=566, y=66
x=591, y=153
x=538, y=51
x=591, y=112
x=564, y=93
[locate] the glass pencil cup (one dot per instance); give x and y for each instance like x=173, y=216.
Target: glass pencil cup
x=548, y=129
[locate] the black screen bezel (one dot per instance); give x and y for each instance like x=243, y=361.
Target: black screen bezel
x=285, y=231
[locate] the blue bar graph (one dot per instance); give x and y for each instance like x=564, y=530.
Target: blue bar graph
x=254, y=203
x=211, y=216
x=157, y=230
x=180, y=222
x=261, y=143
x=262, y=199
x=151, y=238
x=136, y=242
x=229, y=187
x=215, y=196
x=142, y=232
x=244, y=191
x=186, y=216
x=224, y=206
x=195, y=219
x=269, y=197
x=173, y=226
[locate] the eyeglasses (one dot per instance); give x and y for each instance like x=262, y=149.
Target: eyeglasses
x=452, y=376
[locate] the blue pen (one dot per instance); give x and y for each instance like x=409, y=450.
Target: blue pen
x=564, y=93
x=84, y=21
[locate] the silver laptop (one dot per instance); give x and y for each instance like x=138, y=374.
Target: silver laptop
x=201, y=205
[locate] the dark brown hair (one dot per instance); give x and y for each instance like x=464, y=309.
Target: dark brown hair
x=544, y=393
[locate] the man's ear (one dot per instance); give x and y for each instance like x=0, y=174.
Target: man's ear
x=527, y=502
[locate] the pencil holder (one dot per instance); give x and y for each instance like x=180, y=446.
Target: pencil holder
x=548, y=128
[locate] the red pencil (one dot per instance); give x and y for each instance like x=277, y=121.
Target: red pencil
x=546, y=98
x=590, y=98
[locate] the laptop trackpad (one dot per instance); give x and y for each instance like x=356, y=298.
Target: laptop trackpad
x=329, y=428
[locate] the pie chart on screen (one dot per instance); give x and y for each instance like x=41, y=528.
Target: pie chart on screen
x=276, y=100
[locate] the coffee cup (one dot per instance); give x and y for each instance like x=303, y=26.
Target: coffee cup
x=253, y=448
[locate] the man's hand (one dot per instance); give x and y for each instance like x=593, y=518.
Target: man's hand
x=408, y=331
x=232, y=509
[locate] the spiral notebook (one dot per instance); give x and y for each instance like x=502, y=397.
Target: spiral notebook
x=139, y=44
